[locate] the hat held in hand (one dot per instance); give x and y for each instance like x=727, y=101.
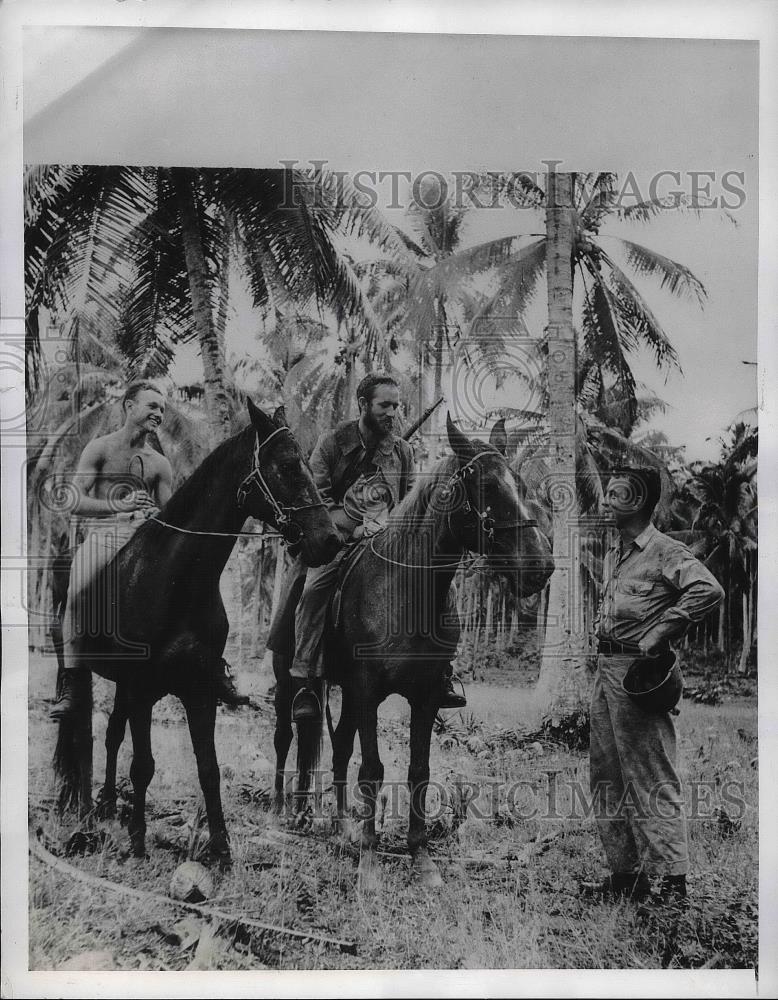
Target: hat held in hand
x=654, y=683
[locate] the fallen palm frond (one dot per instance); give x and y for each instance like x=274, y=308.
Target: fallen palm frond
x=231, y=919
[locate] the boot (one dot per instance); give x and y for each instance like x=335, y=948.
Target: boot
x=306, y=705
x=451, y=698
x=619, y=885
x=226, y=692
x=67, y=702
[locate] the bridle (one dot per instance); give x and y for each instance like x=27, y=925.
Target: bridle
x=484, y=523
x=283, y=516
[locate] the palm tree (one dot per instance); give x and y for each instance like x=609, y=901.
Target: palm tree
x=165, y=232
x=614, y=317
x=726, y=497
x=614, y=321
x=428, y=299
x=563, y=662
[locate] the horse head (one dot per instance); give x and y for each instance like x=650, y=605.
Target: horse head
x=490, y=517
x=280, y=489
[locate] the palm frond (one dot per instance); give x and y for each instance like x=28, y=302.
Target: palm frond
x=606, y=341
x=637, y=317
x=656, y=208
x=519, y=188
x=597, y=199
x=675, y=277
x=517, y=279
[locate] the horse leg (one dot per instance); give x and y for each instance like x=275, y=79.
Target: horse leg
x=282, y=738
x=114, y=737
x=201, y=716
x=371, y=775
x=309, y=735
x=422, y=718
x=342, y=749
x=141, y=771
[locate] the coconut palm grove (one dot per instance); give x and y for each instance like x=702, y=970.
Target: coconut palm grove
x=284, y=288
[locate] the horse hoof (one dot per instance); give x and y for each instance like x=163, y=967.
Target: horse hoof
x=426, y=871
x=218, y=852
x=105, y=809
x=138, y=845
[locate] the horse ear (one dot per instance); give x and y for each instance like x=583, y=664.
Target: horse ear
x=498, y=438
x=279, y=417
x=459, y=443
x=261, y=421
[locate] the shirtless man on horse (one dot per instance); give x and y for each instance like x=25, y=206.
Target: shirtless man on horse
x=121, y=480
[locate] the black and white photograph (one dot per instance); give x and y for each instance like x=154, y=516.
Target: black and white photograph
x=381, y=413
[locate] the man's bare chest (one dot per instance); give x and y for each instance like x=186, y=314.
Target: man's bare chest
x=133, y=468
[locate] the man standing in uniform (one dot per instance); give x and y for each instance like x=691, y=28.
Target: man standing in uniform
x=361, y=470
x=654, y=589
x=119, y=482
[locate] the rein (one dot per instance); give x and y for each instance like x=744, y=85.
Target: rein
x=283, y=516
x=214, y=534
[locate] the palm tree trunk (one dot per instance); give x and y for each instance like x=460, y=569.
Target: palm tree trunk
x=256, y=614
x=727, y=619
x=437, y=390
x=541, y=616
x=753, y=603
x=489, y=620
x=216, y=400
x=224, y=297
x=473, y=618
x=563, y=685
x=278, y=580
x=741, y=667
x=350, y=400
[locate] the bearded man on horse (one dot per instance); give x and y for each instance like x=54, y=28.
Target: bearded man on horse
x=120, y=481
x=362, y=470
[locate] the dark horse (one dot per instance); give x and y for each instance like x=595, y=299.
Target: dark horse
x=398, y=631
x=153, y=619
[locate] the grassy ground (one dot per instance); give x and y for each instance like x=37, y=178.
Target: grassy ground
x=501, y=906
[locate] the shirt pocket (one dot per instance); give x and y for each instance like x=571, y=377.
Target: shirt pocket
x=633, y=598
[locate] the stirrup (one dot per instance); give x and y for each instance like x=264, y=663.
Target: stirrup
x=306, y=704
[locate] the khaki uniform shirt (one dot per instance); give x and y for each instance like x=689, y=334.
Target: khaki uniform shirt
x=653, y=580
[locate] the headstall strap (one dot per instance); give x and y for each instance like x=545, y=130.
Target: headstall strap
x=488, y=523
x=282, y=515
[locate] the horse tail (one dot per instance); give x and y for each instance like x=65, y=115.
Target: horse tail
x=309, y=744
x=73, y=752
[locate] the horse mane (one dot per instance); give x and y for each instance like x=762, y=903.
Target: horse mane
x=213, y=467
x=411, y=512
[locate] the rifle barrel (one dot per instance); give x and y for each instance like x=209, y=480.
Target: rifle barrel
x=408, y=434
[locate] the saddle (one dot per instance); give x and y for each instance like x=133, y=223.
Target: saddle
x=347, y=566
x=281, y=638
